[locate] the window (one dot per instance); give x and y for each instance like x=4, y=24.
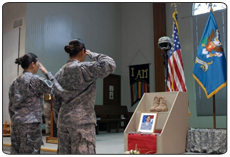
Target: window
x=201, y=8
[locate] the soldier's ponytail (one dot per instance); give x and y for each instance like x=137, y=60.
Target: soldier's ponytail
x=74, y=47
x=19, y=60
x=26, y=60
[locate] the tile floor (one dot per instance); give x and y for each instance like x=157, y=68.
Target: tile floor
x=106, y=143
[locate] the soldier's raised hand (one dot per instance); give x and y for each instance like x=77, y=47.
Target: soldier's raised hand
x=42, y=68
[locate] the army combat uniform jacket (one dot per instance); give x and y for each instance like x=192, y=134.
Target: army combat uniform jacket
x=26, y=97
x=25, y=109
x=75, y=106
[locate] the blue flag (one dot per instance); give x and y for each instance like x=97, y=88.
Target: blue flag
x=210, y=70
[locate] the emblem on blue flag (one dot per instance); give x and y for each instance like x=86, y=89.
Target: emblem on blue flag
x=210, y=63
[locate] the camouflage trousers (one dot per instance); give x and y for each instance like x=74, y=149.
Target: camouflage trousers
x=26, y=138
x=77, y=139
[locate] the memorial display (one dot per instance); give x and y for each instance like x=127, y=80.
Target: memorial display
x=171, y=128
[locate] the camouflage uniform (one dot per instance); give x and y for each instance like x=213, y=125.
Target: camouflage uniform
x=75, y=106
x=25, y=109
x=209, y=141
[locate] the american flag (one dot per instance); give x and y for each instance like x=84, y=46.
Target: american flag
x=176, y=79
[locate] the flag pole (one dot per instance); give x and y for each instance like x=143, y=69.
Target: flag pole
x=175, y=12
x=214, y=112
x=213, y=97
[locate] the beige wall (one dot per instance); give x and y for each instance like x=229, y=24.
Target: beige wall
x=11, y=12
x=137, y=45
x=11, y=47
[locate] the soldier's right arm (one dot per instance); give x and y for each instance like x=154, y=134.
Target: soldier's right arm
x=101, y=66
x=11, y=112
x=56, y=106
x=42, y=85
x=57, y=100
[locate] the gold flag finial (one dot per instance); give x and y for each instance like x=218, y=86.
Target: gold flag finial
x=175, y=5
x=210, y=5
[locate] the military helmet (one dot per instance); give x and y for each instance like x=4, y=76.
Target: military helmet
x=164, y=43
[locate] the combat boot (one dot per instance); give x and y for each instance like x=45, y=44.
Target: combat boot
x=163, y=105
x=156, y=102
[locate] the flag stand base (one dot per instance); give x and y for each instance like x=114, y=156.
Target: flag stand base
x=53, y=140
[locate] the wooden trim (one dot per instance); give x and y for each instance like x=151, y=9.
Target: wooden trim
x=159, y=29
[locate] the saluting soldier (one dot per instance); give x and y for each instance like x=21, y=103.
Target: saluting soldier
x=25, y=105
x=75, y=107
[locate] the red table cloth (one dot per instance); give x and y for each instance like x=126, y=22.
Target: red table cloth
x=145, y=143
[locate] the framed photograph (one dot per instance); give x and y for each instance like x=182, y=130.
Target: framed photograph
x=147, y=122
x=111, y=88
x=110, y=95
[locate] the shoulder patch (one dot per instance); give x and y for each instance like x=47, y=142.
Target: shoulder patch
x=48, y=83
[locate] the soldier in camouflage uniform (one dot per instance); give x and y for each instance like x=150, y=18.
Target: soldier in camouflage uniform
x=74, y=108
x=25, y=105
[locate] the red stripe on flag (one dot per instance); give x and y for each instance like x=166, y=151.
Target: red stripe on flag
x=172, y=86
x=178, y=72
x=180, y=58
x=169, y=77
x=175, y=66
